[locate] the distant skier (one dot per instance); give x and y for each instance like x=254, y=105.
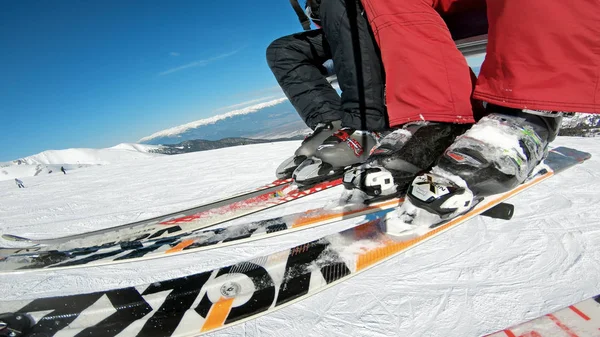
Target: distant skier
x=19, y=183
x=63, y=170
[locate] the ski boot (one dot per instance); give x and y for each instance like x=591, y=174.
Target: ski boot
x=15, y=324
x=399, y=157
x=308, y=148
x=497, y=154
x=346, y=147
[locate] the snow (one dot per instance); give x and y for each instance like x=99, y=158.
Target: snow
x=50, y=162
x=579, y=119
x=481, y=277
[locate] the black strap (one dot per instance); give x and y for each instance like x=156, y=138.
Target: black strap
x=304, y=20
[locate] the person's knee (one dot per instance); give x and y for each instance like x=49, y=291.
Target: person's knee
x=278, y=49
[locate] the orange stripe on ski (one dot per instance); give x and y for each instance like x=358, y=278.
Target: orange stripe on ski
x=562, y=326
x=509, y=333
x=578, y=312
x=181, y=246
x=391, y=247
x=365, y=230
x=218, y=314
x=310, y=219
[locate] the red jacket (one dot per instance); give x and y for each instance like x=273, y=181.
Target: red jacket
x=542, y=55
x=427, y=78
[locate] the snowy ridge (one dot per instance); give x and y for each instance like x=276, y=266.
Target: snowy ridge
x=135, y=147
x=298, y=130
x=87, y=156
x=51, y=161
x=481, y=277
x=174, y=131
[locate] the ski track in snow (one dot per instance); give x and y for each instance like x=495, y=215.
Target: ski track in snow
x=481, y=277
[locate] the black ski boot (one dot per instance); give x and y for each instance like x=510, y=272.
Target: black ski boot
x=308, y=148
x=496, y=155
x=399, y=157
x=15, y=324
x=346, y=147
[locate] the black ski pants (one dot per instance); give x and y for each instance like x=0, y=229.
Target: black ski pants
x=297, y=62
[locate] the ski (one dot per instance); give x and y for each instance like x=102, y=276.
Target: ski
x=581, y=319
x=54, y=257
x=268, y=188
x=186, y=221
x=502, y=211
x=225, y=296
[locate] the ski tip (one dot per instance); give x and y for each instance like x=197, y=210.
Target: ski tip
x=502, y=211
x=11, y=237
x=570, y=152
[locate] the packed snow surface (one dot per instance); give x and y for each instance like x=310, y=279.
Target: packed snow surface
x=480, y=277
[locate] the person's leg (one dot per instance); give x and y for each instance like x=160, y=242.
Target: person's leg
x=428, y=81
x=548, y=64
x=360, y=75
x=297, y=63
x=541, y=60
x=357, y=63
x=542, y=55
x=427, y=77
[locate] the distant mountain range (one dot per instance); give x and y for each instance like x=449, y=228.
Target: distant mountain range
x=277, y=119
x=272, y=119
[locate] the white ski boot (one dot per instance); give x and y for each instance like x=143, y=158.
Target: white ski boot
x=496, y=155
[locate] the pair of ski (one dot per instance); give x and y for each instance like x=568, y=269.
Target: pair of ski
x=191, y=305
x=274, y=189
x=175, y=224
x=63, y=256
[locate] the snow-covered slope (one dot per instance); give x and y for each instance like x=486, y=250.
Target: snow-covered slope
x=50, y=162
x=476, y=279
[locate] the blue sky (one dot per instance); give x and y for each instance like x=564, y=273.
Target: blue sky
x=98, y=73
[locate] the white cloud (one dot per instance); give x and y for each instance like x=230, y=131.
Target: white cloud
x=243, y=104
x=185, y=127
x=199, y=63
x=174, y=53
